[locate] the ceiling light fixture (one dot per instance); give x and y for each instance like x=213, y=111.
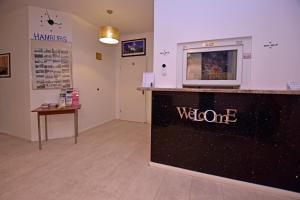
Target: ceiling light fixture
x=109, y=34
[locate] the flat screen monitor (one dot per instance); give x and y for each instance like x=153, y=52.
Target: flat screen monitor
x=213, y=66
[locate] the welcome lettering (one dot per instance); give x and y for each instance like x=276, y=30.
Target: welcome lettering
x=208, y=116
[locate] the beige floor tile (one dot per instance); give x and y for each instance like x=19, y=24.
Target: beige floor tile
x=110, y=162
x=205, y=189
x=145, y=185
x=82, y=191
x=174, y=186
x=234, y=192
x=117, y=181
x=267, y=196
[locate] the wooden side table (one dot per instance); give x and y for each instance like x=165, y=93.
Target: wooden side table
x=55, y=111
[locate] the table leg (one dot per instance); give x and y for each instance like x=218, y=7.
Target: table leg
x=76, y=125
x=46, y=128
x=39, y=131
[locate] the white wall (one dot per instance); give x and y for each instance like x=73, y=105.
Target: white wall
x=17, y=98
x=89, y=74
x=180, y=21
x=14, y=91
x=149, y=68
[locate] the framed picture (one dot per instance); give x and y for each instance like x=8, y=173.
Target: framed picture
x=134, y=47
x=5, y=65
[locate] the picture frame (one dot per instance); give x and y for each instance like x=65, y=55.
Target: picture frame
x=136, y=47
x=5, y=71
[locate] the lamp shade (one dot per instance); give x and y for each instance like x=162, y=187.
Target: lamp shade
x=109, y=35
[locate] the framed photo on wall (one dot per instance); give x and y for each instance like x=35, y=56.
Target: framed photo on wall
x=135, y=47
x=5, y=65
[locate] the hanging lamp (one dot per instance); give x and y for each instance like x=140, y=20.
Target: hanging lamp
x=109, y=34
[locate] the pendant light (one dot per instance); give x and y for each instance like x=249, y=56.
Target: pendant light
x=109, y=34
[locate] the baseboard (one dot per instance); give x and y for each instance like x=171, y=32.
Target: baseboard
x=261, y=188
x=21, y=138
x=79, y=131
x=94, y=126
x=3, y=133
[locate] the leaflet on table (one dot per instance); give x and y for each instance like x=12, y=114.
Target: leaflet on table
x=69, y=97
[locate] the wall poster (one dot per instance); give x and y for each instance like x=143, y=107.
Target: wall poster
x=51, y=65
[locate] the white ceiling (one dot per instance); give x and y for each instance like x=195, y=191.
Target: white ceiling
x=130, y=16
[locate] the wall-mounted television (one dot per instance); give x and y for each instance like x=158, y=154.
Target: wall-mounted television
x=212, y=66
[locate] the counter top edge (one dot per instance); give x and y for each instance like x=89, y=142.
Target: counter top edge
x=248, y=91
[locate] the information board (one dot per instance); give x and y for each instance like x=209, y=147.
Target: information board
x=51, y=65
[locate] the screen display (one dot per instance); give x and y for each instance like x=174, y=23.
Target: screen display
x=212, y=65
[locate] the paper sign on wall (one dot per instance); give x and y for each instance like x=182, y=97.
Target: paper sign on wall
x=51, y=65
x=148, y=79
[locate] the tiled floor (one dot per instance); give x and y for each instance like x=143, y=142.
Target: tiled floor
x=110, y=162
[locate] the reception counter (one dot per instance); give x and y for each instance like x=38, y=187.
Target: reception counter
x=246, y=135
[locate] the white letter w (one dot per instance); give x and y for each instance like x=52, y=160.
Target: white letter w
x=182, y=112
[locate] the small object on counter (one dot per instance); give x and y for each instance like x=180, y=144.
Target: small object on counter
x=293, y=86
x=62, y=99
x=45, y=105
x=148, y=79
x=52, y=105
x=75, y=97
x=49, y=105
x=69, y=97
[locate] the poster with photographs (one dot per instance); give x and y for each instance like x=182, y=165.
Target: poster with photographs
x=51, y=65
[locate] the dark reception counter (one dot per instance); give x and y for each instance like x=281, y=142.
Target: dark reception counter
x=247, y=135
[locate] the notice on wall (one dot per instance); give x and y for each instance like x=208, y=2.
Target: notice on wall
x=51, y=65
